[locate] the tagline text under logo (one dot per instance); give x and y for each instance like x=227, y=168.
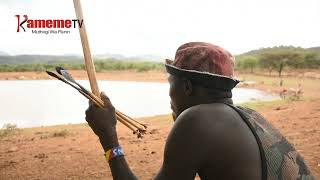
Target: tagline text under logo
x=50, y=32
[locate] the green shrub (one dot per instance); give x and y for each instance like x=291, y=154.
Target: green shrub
x=7, y=130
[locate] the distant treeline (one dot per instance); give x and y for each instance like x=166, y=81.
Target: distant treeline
x=38, y=59
x=271, y=59
x=278, y=58
x=100, y=65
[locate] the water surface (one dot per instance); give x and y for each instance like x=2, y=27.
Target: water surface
x=32, y=103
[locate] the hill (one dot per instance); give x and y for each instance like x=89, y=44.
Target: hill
x=49, y=59
x=279, y=48
x=317, y=49
x=3, y=53
x=37, y=59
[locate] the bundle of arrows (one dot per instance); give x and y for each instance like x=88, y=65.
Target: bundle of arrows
x=64, y=76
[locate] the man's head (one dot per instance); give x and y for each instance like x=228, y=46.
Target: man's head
x=200, y=73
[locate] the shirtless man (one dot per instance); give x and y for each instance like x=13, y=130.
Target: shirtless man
x=210, y=136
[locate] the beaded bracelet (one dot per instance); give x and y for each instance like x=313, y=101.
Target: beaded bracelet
x=113, y=153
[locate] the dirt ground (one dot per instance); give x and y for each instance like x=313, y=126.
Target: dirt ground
x=74, y=152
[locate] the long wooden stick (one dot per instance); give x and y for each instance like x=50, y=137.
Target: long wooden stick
x=92, y=72
x=86, y=50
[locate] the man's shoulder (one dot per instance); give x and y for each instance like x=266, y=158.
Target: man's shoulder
x=200, y=125
x=208, y=117
x=213, y=111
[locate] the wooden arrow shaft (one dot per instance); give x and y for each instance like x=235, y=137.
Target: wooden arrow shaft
x=86, y=50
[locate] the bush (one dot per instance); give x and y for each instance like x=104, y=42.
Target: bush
x=61, y=133
x=8, y=129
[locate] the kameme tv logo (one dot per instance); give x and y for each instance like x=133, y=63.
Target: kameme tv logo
x=46, y=26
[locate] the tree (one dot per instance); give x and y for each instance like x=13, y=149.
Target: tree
x=247, y=62
x=279, y=59
x=250, y=62
x=311, y=60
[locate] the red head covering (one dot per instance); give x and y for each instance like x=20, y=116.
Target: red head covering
x=204, y=60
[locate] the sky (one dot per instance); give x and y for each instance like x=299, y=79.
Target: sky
x=137, y=27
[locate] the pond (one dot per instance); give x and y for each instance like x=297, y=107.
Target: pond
x=32, y=103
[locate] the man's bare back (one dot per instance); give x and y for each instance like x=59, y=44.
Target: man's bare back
x=212, y=140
